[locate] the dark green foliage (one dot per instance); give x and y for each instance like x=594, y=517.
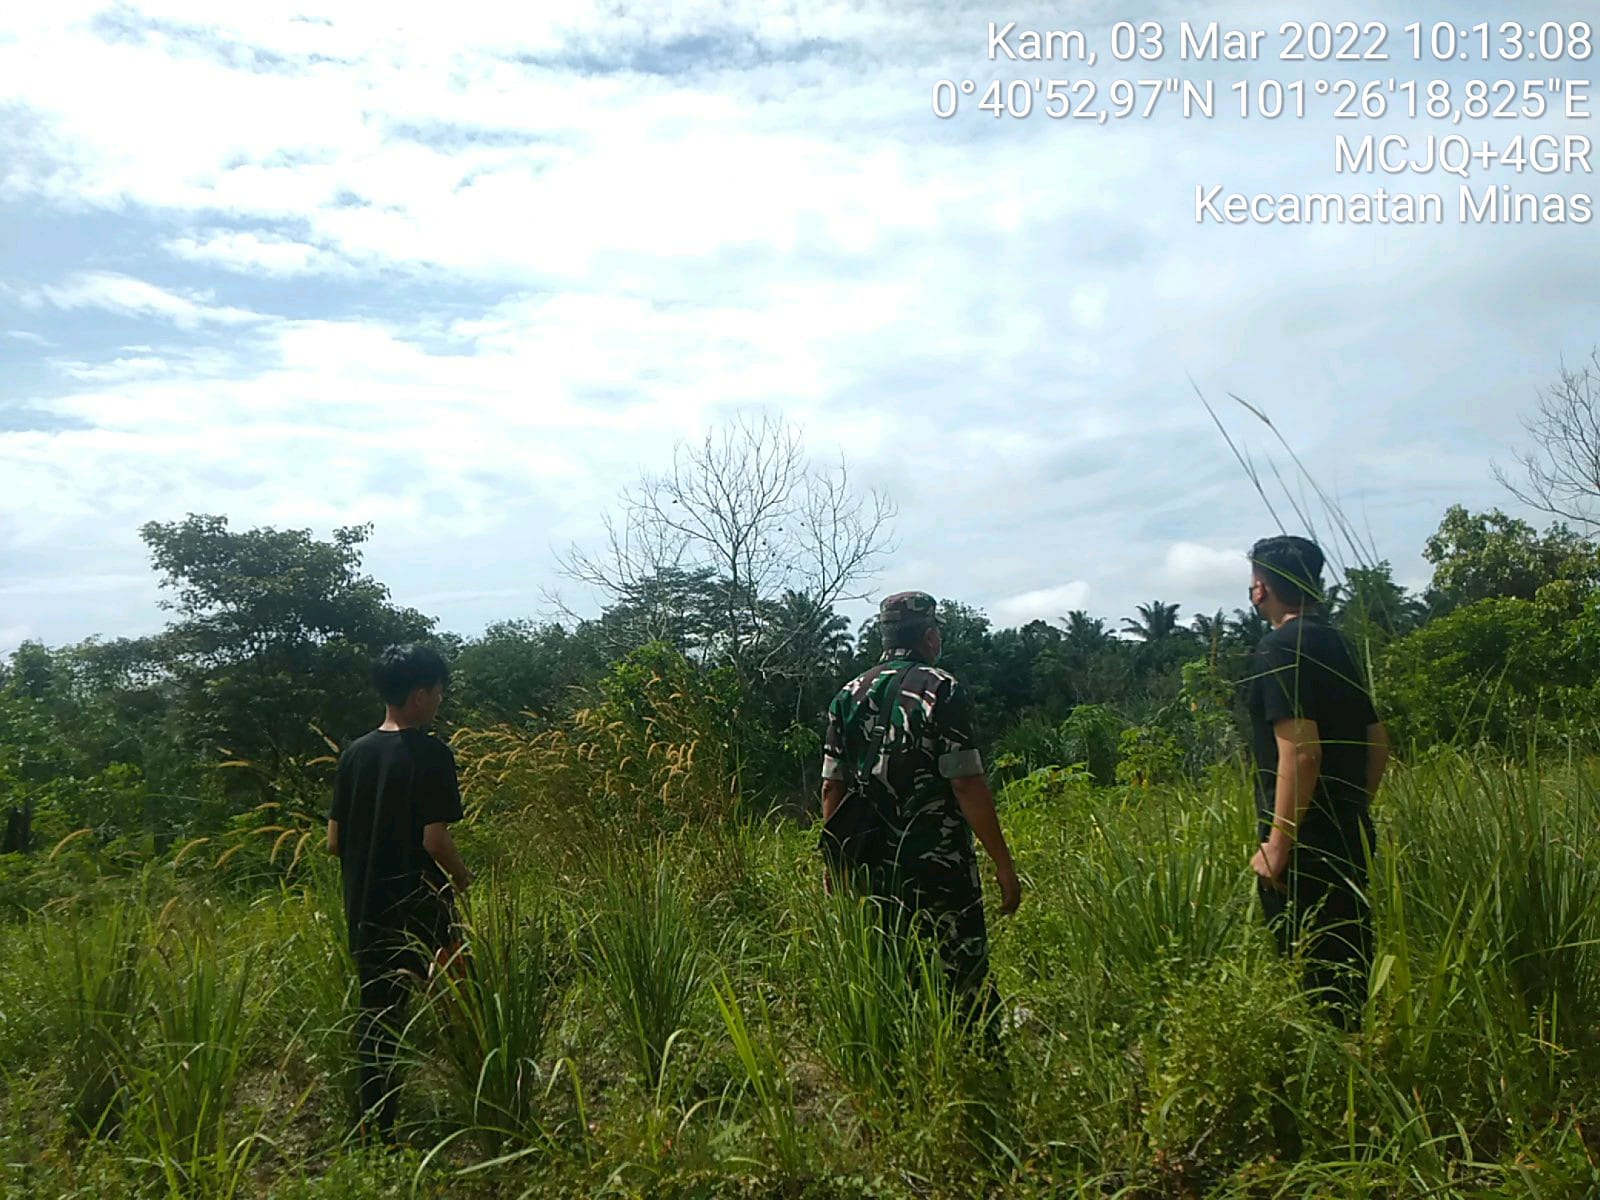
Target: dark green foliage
x=1156, y=621
x=1374, y=610
x=274, y=630
x=517, y=667
x=275, y=636
x=1482, y=556
x=1503, y=671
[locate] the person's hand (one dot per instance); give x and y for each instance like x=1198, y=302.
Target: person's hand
x=1010, y=887
x=1269, y=864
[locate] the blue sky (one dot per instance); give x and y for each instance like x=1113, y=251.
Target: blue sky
x=465, y=271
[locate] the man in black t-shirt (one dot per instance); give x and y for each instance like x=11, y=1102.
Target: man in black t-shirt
x=1320, y=753
x=394, y=797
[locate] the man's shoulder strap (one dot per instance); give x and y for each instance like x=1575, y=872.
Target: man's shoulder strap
x=886, y=714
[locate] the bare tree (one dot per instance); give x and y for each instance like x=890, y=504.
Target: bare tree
x=746, y=507
x=1563, y=468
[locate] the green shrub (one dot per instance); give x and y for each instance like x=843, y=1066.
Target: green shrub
x=1239, y=1074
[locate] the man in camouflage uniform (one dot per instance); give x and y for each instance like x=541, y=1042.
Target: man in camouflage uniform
x=930, y=782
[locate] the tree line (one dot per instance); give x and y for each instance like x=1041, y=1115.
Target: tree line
x=262, y=671
x=735, y=561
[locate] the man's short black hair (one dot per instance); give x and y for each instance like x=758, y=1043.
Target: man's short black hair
x=903, y=635
x=1291, y=566
x=401, y=670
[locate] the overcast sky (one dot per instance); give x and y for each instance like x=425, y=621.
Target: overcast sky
x=464, y=270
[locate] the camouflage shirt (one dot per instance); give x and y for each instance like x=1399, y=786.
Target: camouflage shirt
x=930, y=742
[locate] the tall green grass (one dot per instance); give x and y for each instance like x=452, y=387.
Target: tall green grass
x=313, y=1004
x=489, y=1014
x=96, y=980
x=762, y=1053
x=898, y=1043
x=695, y=1016
x=184, y=1069
x=643, y=948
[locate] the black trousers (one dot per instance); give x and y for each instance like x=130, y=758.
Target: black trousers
x=388, y=968
x=392, y=957
x=1325, y=913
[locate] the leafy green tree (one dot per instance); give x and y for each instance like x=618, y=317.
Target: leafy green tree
x=1085, y=634
x=1148, y=756
x=811, y=649
x=1501, y=671
x=33, y=750
x=1093, y=733
x=1157, y=644
x=968, y=654
x=1247, y=627
x=679, y=607
x=1098, y=667
x=517, y=667
x=1203, y=717
x=1479, y=556
x=806, y=636
x=1212, y=632
x=274, y=637
x=82, y=749
x=1045, y=664
x=680, y=729
x=48, y=718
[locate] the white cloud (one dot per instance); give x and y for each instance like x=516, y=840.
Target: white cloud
x=130, y=297
x=249, y=253
x=493, y=261
x=1196, y=568
x=12, y=636
x=1044, y=604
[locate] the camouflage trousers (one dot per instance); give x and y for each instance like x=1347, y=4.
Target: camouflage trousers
x=953, y=920
x=945, y=908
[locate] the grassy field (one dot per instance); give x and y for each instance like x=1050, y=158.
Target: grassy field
x=689, y=1015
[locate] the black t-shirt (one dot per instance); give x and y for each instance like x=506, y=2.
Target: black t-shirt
x=1305, y=669
x=392, y=783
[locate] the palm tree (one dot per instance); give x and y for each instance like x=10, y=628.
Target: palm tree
x=1156, y=621
x=1085, y=634
x=810, y=636
x=1378, y=605
x=1211, y=630
x=1248, y=626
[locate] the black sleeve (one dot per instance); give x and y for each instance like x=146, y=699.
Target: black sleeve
x=340, y=811
x=439, y=798
x=1285, y=681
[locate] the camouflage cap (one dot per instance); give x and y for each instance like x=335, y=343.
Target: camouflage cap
x=908, y=611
